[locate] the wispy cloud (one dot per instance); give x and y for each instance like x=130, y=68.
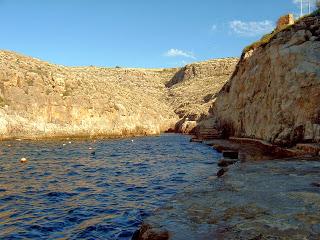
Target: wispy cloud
x=303, y=1
x=305, y=6
x=173, y=52
x=251, y=29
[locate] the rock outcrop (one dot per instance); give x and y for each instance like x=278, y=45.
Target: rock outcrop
x=274, y=93
x=285, y=21
x=39, y=100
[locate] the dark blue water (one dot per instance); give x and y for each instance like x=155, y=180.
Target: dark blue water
x=68, y=192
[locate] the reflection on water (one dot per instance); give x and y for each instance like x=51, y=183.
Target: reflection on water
x=71, y=191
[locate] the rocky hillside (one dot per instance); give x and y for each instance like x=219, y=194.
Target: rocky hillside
x=274, y=93
x=193, y=89
x=39, y=100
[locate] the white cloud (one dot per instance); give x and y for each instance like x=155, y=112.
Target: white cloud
x=214, y=27
x=251, y=29
x=303, y=1
x=179, y=53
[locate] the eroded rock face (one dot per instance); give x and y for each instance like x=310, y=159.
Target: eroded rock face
x=193, y=90
x=274, y=93
x=38, y=99
x=43, y=100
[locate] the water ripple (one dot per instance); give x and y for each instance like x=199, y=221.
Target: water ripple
x=66, y=192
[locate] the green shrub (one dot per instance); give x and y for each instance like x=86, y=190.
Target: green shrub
x=3, y=102
x=67, y=93
x=30, y=82
x=315, y=13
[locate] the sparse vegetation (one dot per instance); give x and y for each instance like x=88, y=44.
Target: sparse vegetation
x=67, y=93
x=3, y=102
x=268, y=37
x=30, y=82
x=317, y=12
x=264, y=40
x=38, y=71
x=92, y=93
x=68, y=90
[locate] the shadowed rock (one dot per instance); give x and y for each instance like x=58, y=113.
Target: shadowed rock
x=315, y=184
x=226, y=162
x=230, y=154
x=221, y=172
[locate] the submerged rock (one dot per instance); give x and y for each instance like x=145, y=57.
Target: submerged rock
x=256, y=200
x=221, y=172
x=146, y=232
x=315, y=184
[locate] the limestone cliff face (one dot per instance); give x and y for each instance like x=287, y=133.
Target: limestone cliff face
x=38, y=99
x=274, y=94
x=43, y=100
x=193, y=89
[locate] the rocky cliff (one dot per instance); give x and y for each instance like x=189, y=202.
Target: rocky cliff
x=193, y=89
x=39, y=100
x=274, y=93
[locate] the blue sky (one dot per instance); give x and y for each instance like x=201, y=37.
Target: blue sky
x=135, y=33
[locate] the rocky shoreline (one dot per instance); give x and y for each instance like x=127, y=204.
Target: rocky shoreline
x=261, y=112
x=213, y=211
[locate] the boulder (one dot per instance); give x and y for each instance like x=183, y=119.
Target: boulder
x=221, y=172
x=146, y=232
